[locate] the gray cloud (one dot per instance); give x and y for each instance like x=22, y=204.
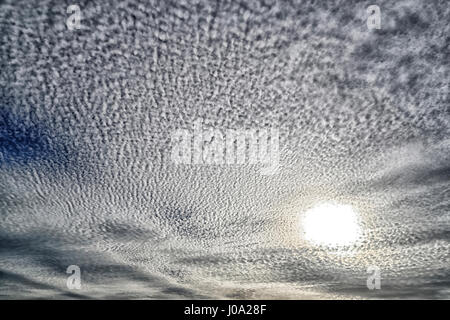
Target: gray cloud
x=86, y=120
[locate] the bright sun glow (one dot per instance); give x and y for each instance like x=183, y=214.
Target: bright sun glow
x=331, y=225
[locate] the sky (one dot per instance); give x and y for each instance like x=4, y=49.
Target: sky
x=87, y=177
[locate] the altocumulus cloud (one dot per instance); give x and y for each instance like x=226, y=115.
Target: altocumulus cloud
x=86, y=176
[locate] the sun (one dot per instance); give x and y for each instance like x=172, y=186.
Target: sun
x=332, y=225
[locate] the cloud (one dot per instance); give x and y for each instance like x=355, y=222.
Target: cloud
x=86, y=121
